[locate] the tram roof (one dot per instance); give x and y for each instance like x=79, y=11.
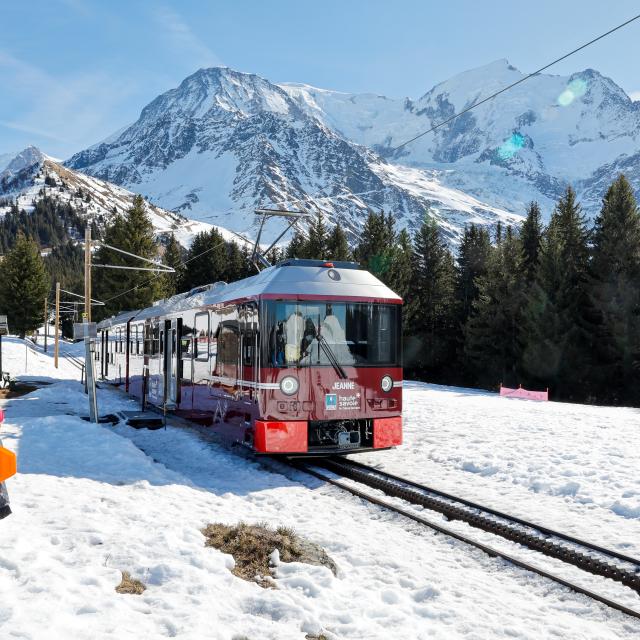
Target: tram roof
x=293, y=279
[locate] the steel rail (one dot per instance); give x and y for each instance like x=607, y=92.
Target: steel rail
x=491, y=551
x=528, y=535
x=499, y=514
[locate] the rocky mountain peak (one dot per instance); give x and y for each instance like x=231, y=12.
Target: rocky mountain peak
x=224, y=142
x=26, y=159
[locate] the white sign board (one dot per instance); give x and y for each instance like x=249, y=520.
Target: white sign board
x=83, y=330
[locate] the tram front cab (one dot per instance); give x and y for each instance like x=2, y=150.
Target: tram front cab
x=331, y=377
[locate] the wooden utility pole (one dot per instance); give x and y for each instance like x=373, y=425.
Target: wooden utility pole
x=46, y=322
x=87, y=272
x=57, y=329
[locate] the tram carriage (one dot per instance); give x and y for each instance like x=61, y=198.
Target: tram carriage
x=303, y=358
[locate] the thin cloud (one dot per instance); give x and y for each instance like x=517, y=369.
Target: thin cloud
x=635, y=96
x=17, y=126
x=76, y=5
x=69, y=109
x=193, y=51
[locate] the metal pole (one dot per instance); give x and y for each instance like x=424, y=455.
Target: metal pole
x=87, y=272
x=90, y=377
x=0, y=355
x=57, y=329
x=89, y=363
x=46, y=323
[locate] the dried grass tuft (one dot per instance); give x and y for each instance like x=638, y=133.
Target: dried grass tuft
x=130, y=585
x=252, y=545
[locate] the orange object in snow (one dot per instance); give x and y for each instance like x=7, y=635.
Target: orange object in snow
x=8, y=464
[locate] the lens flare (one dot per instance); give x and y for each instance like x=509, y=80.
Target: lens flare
x=511, y=146
x=575, y=89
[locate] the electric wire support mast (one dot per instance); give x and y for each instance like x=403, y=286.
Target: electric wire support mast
x=7, y=469
x=303, y=358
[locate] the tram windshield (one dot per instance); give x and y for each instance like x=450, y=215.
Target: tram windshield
x=309, y=333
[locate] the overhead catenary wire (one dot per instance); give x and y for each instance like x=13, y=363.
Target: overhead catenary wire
x=161, y=268
x=144, y=284
x=513, y=84
x=424, y=133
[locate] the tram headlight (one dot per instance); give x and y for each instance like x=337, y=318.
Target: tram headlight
x=289, y=385
x=386, y=383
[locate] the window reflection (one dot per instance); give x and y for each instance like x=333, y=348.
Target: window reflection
x=357, y=334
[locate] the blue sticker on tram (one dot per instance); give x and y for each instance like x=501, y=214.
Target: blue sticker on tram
x=331, y=402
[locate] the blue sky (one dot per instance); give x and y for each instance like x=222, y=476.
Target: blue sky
x=74, y=71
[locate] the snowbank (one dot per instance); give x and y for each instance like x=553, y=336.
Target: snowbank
x=91, y=501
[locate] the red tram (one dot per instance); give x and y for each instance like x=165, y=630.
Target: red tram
x=302, y=358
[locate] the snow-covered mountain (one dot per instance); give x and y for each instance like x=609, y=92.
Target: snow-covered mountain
x=224, y=142
x=31, y=175
x=527, y=143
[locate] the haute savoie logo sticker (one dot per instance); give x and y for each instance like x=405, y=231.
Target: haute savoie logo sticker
x=331, y=402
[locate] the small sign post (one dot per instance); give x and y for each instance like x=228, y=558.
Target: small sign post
x=88, y=331
x=4, y=330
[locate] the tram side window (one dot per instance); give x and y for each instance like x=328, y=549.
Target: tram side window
x=186, y=342
x=248, y=349
x=228, y=348
x=148, y=340
x=133, y=338
x=201, y=334
x=155, y=340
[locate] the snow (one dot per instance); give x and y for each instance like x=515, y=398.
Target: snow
x=90, y=501
x=224, y=143
x=105, y=196
x=570, y=465
x=573, y=132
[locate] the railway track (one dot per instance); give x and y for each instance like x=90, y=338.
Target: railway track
x=589, y=557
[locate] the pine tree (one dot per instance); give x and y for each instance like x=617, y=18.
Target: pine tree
x=430, y=314
x=555, y=331
x=337, y=245
x=173, y=258
x=378, y=239
x=531, y=237
x=614, y=290
x=207, y=260
x=238, y=265
x=133, y=233
x=492, y=331
x=316, y=246
x=297, y=248
x=274, y=256
x=24, y=284
x=473, y=258
x=400, y=273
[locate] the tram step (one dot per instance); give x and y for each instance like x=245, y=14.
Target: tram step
x=142, y=419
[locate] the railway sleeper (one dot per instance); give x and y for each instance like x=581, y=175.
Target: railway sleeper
x=544, y=545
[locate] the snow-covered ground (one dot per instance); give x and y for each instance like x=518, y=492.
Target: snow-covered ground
x=571, y=467
x=90, y=501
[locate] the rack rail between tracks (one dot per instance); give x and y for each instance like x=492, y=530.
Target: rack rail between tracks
x=587, y=556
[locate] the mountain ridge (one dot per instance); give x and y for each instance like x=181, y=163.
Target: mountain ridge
x=32, y=175
x=224, y=142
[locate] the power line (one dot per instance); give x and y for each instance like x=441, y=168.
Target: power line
x=497, y=93
x=144, y=284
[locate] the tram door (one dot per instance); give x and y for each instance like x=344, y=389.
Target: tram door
x=105, y=354
x=157, y=365
x=249, y=366
x=171, y=362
